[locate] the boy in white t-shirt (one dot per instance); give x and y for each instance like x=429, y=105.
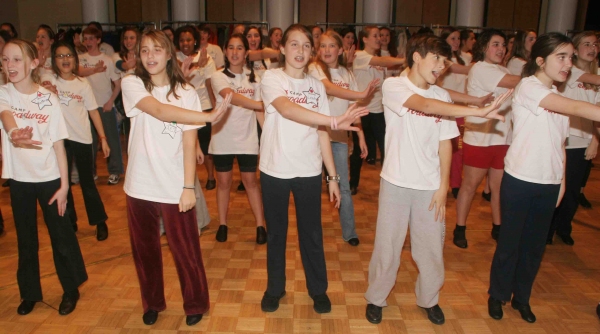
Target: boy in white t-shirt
x=106, y=86
x=415, y=177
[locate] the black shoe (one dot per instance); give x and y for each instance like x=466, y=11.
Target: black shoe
x=353, y=191
x=193, y=319
x=525, y=311
x=495, y=231
x=371, y=161
x=373, y=313
x=598, y=310
x=68, y=303
x=25, y=307
x=261, y=235
x=222, y=233
x=150, y=317
x=435, y=315
x=270, y=303
x=549, y=241
x=486, y=196
x=495, y=308
x=211, y=184
x=241, y=186
x=354, y=242
x=566, y=239
x=322, y=304
x=460, y=240
x=455, y=192
x=583, y=201
x=101, y=231
x=1, y=228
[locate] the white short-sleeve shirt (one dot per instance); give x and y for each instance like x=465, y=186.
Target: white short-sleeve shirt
x=364, y=74
x=515, y=66
x=580, y=129
x=536, y=153
x=259, y=67
x=412, y=138
x=40, y=111
x=484, y=79
x=100, y=82
x=215, y=52
x=289, y=149
x=235, y=132
x=199, y=77
x=454, y=81
x=117, y=57
x=343, y=78
x=155, y=165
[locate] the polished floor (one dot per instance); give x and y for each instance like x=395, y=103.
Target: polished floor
x=564, y=299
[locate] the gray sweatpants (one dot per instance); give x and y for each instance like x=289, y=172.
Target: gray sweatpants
x=400, y=208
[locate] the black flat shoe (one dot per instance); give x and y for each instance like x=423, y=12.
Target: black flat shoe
x=455, y=192
x=371, y=161
x=241, y=187
x=460, y=239
x=270, y=303
x=68, y=303
x=193, y=319
x=566, y=239
x=495, y=231
x=598, y=310
x=222, y=233
x=353, y=191
x=373, y=313
x=321, y=303
x=25, y=307
x=261, y=235
x=525, y=311
x=211, y=184
x=101, y=232
x=354, y=242
x=435, y=315
x=486, y=196
x=495, y=308
x=583, y=201
x=150, y=317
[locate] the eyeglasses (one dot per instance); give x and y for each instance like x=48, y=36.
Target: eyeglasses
x=61, y=56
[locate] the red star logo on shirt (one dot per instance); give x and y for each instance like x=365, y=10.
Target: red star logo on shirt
x=42, y=100
x=312, y=97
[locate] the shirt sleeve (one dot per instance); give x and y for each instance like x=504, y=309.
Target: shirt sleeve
x=112, y=69
x=531, y=93
x=57, y=126
x=219, y=81
x=362, y=60
x=89, y=100
x=395, y=93
x=448, y=129
x=133, y=92
x=271, y=88
x=576, y=73
x=4, y=101
x=209, y=69
x=315, y=71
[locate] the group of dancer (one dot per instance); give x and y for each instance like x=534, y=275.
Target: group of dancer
x=189, y=102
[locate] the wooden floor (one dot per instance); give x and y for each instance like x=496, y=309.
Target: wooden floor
x=564, y=299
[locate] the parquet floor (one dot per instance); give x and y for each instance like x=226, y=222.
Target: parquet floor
x=565, y=294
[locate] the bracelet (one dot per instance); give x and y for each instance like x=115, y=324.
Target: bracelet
x=335, y=178
x=9, y=133
x=184, y=187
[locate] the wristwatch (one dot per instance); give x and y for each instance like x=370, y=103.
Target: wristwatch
x=335, y=178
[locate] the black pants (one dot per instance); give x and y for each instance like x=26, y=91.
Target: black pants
x=84, y=159
x=65, y=247
x=527, y=210
x=374, y=128
x=575, y=173
x=355, y=162
x=307, y=197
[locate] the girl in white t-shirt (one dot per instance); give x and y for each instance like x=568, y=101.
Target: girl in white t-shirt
x=485, y=142
x=534, y=180
x=79, y=106
x=275, y=35
x=582, y=145
x=263, y=63
x=341, y=88
x=388, y=49
x=368, y=66
x=38, y=171
x=294, y=147
x=467, y=41
x=125, y=60
x=165, y=113
x=214, y=51
x=520, y=51
x=235, y=135
x=44, y=40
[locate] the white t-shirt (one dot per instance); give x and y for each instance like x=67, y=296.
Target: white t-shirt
x=259, y=67
x=215, y=52
x=46, y=68
x=412, y=138
x=155, y=165
x=235, y=132
x=536, y=153
x=467, y=57
x=40, y=111
x=581, y=129
x=76, y=99
x=199, y=77
x=364, y=74
x=389, y=72
x=515, y=66
x=107, y=49
x=289, y=149
x=117, y=57
x=483, y=79
x=100, y=82
x=454, y=81
x=340, y=77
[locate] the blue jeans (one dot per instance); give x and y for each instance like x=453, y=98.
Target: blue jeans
x=114, y=162
x=346, y=210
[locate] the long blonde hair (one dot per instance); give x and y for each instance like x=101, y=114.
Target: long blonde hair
x=594, y=65
x=340, y=59
x=29, y=51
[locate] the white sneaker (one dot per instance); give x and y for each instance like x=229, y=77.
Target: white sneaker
x=113, y=179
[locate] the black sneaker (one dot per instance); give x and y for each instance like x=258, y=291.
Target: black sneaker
x=583, y=201
x=322, y=304
x=270, y=303
x=435, y=315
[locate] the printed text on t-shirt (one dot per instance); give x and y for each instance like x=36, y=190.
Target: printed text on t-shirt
x=309, y=97
x=438, y=118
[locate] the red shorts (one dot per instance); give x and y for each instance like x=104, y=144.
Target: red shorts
x=484, y=156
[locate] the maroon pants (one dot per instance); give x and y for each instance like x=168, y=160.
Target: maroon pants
x=182, y=234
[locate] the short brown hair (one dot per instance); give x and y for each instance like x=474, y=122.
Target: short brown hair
x=424, y=44
x=92, y=31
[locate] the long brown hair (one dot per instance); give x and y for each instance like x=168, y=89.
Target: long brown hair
x=455, y=54
x=341, y=59
x=594, y=65
x=123, y=53
x=173, y=71
x=544, y=46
